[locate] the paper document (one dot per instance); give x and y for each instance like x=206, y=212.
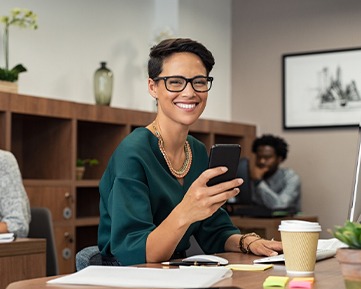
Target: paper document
x=249, y=267
x=184, y=277
x=330, y=244
x=7, y=237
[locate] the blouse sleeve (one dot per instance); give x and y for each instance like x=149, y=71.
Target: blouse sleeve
x=287, y=197
x=14, y=203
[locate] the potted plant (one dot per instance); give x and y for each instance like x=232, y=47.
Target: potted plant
x=81, y=164
x=350, y=257
x=23, y=18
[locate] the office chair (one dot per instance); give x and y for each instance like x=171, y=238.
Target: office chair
x=91, y=255
x=88, y=256
x=41, y=226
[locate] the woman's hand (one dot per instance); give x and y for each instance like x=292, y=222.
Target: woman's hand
x=201, y=201
x=252, y=243
x=262, y=247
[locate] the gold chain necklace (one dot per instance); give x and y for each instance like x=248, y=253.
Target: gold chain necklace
x=183, y=171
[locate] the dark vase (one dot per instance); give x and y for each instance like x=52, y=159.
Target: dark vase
x=103, y=85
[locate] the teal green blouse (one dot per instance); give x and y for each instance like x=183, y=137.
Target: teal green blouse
x=138, y=191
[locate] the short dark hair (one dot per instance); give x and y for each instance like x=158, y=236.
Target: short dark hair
x=279, y=144
x=169, y=46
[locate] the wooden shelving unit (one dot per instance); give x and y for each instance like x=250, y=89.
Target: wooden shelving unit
x=47, y=136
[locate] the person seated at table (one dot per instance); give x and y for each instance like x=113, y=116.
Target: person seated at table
x=14, y=202
x=275, y=187
x=153, y=193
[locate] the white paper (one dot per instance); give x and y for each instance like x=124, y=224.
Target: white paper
x=6, y=237
x=330, y=244
x=184, y=277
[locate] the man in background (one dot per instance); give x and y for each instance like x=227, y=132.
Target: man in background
x=274, y=187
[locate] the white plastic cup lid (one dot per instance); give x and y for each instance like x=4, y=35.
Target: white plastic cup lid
x=299, y=226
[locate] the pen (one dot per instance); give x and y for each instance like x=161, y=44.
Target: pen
x=191, y=263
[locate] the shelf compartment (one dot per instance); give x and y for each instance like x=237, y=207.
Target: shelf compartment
x=86, y=236
x=87, y=202
x=98, y=140
x=41, y=146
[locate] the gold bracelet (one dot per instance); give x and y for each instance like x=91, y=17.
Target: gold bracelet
x=241, y=242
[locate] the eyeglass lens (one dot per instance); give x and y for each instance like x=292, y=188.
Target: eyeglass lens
x=177, y=84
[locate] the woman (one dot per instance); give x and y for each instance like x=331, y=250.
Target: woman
x=14, y=203
x=153, y=193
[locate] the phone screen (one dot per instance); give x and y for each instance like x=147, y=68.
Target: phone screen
x=224, y=155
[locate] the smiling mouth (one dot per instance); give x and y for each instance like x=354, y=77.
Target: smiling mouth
x=186, y=105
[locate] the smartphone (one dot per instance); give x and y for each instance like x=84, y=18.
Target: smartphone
x=226, y=155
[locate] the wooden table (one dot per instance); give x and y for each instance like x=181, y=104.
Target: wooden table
x=327, y=276
x=266, y=227
x=22, y=259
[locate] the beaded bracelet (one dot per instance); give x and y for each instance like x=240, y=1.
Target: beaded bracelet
x=248, y=249
x=241, y=242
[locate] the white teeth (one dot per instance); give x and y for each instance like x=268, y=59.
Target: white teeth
x=186, y=106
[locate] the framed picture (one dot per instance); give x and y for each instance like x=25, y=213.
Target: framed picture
x=322, y=89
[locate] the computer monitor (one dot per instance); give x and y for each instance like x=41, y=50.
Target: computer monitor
x=245, y=195
x=354, y=213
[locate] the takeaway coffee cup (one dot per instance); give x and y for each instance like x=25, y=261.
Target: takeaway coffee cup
x=299, y=241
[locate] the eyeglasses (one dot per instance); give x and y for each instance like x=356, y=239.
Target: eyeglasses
x=179, y=83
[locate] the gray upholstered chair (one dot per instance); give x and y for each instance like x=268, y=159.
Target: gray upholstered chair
x=41, y=226
x=91, y=255
x=88, y=256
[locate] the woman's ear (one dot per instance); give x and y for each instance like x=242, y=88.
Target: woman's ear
x=152, y=88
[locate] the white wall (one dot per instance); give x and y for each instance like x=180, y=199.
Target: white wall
x=210, y=23
x=75, y=35
x=263, y=30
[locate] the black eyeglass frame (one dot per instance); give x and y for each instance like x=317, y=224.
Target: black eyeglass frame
x=208, y=78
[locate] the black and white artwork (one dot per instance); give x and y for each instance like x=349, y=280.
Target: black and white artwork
x=322, y=89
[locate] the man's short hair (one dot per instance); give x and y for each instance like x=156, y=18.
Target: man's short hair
x=279, y=144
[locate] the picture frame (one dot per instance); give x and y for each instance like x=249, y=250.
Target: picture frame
x=322, y=89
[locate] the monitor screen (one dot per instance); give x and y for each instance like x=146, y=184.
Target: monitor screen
x=245, y=195
x=354, y=213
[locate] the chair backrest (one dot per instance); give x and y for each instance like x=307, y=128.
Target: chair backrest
x=88, y=256
x=41, y=226
x=92, y=256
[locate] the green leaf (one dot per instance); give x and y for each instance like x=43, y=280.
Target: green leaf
x=83, y=162
x=18, y=68
x=349, y=234
x=11, y=75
